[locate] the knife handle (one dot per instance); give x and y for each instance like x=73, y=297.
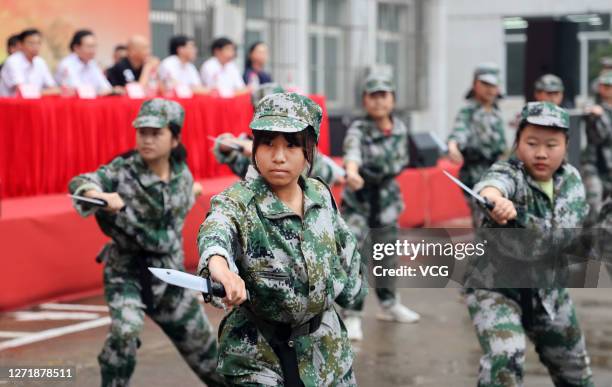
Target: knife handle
x=489, y=206
x=217, y=290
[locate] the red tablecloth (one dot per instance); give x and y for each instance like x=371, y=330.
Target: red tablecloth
x=50, y=250
x=44, y=143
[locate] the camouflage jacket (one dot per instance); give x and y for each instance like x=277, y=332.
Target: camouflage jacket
x=155, y=210
x=549, y=225
x=598, y=152
x=239, y=163
x=480, y=137
x=380, y=158
x=294, y=268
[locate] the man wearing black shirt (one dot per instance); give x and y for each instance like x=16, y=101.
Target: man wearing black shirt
x=139, y=66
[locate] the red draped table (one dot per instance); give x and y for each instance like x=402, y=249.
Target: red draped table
x=44, y=143
x=47, y=250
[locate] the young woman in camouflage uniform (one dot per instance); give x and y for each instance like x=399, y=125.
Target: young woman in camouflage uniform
x=239, y=160
x=375, y=152
x=477, y=139
x=149, y=192
x=541, y=192
x=279, y=236
x=597, y=157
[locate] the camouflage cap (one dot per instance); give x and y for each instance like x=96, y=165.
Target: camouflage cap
x=264, y=90
x=487, y=73
x=158, y=113
x=549, y=83
x=606, y=78
x=545, y=114
x=378, y=82
x=287, y=112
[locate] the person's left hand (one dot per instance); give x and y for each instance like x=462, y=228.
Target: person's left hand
x=197, y=189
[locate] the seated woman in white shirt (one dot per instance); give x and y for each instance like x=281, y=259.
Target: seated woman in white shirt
x=25, y=67
x=220, y=72
x=79, y=68
x=178, y=68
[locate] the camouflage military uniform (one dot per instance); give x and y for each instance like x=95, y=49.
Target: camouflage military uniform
x=239, y=163
x=378, y=205
x=480, y=136
x=503, y=317
x=597, y=157
x=294, y=268
x=603, y=227
x=147, y=233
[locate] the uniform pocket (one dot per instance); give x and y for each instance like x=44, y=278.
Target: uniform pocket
x=273, y=275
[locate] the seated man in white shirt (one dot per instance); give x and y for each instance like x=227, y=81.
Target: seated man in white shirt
x=79, y=68
x=178, y=68
x=25, y=67
x=220, y=73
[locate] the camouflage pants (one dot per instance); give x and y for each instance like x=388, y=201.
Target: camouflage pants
x=386, y=289
x=178, y=314
x=501, y=328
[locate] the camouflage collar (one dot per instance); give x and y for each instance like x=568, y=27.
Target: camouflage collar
x=273, y=208
x=375, y=132
x=147, y=178
x=477, y=105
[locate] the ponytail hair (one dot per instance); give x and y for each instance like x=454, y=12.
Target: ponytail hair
x=179, y=152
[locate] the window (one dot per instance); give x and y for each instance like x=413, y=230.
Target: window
x=399, y=46
x=515, y=65
x=192, y=18
x=326, y=50
x=596, y=50
x=595, y=42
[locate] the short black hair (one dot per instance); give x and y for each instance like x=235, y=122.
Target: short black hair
x=178, y=41
x=304, y=139
x=12, y=40
x=219, y=43
x=77, y=38
x=28, y=32
x=120, y=47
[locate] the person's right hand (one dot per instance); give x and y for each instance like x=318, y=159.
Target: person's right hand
x=454, y=153
x=115, y=203
x=235, y=289
x=152, y=61
x=247, y=146
x=595, y=110
x=504, y=209
x=354, y=180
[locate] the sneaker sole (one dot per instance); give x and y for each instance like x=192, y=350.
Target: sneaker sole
x=384, y=317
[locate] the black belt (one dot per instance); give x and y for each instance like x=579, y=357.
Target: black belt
x=526, y=302
x=281, y=338
x=145, y=278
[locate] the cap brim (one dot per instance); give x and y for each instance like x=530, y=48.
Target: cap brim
x=278, y=124
x=489, y=78
x=379, y=88
x=149, y=122
x=553, y=89
x=546, y=121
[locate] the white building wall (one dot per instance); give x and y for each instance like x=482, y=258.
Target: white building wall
x=463, y=33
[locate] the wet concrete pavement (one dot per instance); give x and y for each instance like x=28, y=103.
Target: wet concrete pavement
x=441, y=350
